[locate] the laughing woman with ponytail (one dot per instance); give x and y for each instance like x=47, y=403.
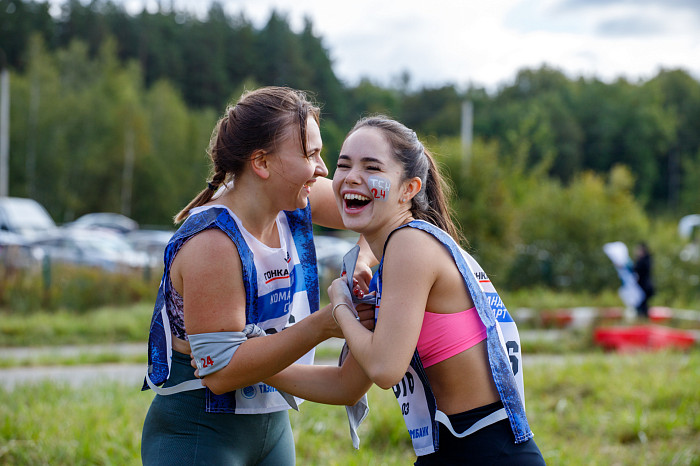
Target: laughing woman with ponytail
x=443, y=341
x=240, y=290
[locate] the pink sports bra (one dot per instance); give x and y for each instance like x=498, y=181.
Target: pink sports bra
x=445, y=335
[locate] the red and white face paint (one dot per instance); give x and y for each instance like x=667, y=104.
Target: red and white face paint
x=379, y=187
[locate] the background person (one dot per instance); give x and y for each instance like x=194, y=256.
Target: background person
x=642, y=268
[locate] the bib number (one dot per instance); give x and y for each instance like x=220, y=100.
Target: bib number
x=403, y=389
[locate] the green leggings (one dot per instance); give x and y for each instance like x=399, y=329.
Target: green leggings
x=178, y=431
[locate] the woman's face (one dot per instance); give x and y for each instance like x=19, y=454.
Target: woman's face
x=367, y=181
x=295, y=172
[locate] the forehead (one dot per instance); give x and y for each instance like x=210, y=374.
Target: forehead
x=290, y=135
x=367, y=142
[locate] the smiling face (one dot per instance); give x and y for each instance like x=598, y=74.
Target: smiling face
x=294, y=172
x=368, y=182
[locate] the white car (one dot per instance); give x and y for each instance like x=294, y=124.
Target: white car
x=24, y=217
x=93, y=248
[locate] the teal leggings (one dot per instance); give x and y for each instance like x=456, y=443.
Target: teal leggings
x=178, y=431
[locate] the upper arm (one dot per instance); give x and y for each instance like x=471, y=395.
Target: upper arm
x=324, y=209
x=406, y=283
x=209, y=269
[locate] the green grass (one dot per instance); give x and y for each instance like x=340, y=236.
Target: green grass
x=104, y=325
x=599, y=409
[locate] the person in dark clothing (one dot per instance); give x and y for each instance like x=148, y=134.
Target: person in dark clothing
x=642, y=267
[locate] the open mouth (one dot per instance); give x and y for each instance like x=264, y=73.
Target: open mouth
x=355, y=201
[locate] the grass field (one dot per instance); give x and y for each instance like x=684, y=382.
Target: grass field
x=586, y=407
x=599, y=409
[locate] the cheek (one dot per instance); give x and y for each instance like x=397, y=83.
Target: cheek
x=336, y=183
x=379, y=187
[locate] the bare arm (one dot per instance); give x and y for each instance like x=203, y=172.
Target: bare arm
x=407, y=280
x=324, y=209
x=342, y=385
x=208, y=272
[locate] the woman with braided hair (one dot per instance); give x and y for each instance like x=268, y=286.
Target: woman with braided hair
x=240, y=289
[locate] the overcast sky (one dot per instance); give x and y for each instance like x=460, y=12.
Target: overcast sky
x=486, y=43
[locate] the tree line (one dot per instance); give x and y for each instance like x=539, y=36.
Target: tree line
x=113, y=112
x=572, y=124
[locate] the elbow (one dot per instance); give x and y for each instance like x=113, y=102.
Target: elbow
x=216, y=387
x=385, y=378
x=351, y=398
x=219, y=385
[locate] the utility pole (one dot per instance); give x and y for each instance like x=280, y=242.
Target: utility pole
x=128, y=173
x=4, y=126
x=467, y=133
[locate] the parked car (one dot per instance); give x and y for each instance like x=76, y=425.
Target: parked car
x=151, y=242
x=93, y=248
x=104, y=220
x=329, y=256
x=24, y=217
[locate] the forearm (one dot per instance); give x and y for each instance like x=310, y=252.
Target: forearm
x=261, y=357
x=379, y=363
x=324, y=384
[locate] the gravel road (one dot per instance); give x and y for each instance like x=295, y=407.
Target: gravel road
x=133, y=374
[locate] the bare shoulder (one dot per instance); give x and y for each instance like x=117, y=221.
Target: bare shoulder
x=414, y=251
x=414, y=243
x=209, y=255
x=211, y=244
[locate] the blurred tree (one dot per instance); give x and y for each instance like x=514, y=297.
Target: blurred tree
x=19, y=21
x=563, y=229
x=679, y=94
x=435, y=112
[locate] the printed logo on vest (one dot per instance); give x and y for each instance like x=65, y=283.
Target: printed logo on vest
x=419, y=432
x=499, y=309
x=276, y=274
x=248, y=392
x=482, y=277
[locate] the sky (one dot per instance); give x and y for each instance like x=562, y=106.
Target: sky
x=485, y=43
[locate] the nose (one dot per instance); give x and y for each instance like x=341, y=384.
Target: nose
x=321, y=169
x=353, y=176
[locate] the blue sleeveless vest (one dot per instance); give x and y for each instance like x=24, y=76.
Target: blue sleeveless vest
x=271, y=313
x=413, y=393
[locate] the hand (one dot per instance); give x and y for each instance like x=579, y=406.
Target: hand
x=338, y=291
x=366, y=313
x=361, y=279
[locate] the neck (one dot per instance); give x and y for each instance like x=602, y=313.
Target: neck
x=377, y=239
x=254, y=209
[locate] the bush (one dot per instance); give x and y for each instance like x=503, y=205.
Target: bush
x=72, y=288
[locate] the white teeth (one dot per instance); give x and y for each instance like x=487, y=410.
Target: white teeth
x=355, y=197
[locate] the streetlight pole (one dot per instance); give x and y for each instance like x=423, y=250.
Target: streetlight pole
x=4, y=125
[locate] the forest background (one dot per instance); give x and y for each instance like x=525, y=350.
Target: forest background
x=113, y=112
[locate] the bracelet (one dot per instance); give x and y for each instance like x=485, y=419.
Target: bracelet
x=336, y=306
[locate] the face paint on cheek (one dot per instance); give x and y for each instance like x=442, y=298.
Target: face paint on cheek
x=379, y=187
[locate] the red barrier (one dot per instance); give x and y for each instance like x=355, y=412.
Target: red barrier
x=642, y=337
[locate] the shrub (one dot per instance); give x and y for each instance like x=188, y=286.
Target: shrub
x=72, y=288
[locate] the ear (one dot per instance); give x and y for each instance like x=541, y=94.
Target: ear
x=411, y=188
x=259, y=162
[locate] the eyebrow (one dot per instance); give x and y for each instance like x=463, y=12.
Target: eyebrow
x=313, y=149
x=363, y=159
